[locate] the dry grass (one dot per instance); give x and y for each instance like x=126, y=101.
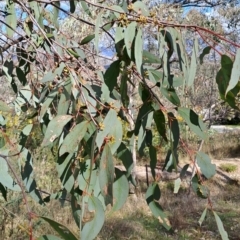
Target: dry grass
x=221, y=146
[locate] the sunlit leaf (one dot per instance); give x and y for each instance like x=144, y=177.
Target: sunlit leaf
x=55, y=128
x=92, y=228
x=129, y=35
x=200, y=221
x=153, y=194
x=140, y=8
x=221, y=229
x=194, y=122
x=72, y=140
x=235, y=73
x=204, y=162
x=177, y=184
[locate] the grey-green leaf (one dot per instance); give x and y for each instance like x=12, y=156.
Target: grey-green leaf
x=204, y=162
x=106, y=175
x=221, y=229
x=200, y=221
x=138, y=50
x=72, y=140
x=4, y=107
x=92, y=228
x=120, y=190
x=55, y=128
x=194, y=122
x=62, y=230
x=129, y=35
x=141, y=8
x=235, y=74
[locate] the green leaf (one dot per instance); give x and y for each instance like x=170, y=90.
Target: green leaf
x=221, y=229
x=47, y=102
x=92, y=228
x=125, y=155
x=118, y=9
x=177, y=184
x=159, y=119
x=97, y=31
x=138, y=50
x=49, y=237
x=204, y=162
x=153, y=160
x=24, y=134
x=174, y=128
x=184, y=170
x=194, y=122
x=5, y=178
x=116, y=132
x=72, y=5
x=152, y=196
x=72, y=140
x=21, y=76
x=129, y=35
x=111, y=75
x=86, y=8
x=76, y=210
x=200, y=221
x=26, y=168
x=124, y=89
x=108, y=124
x=205, y=51
x=150, y=58
x=171, y=95
x=55, y=19
x=87, y=39
x=87, y=170
x=11, y=18
x=235, y=73
x=62, y=230
x=65, y=98
x=55, y=128
x=145, y=109
x=140, y=8
x=120, y=190
x=106, y=175
x=193, y=66
x=3, y=190
x=4, y=107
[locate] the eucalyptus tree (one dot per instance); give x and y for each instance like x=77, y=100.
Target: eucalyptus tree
x=81, y=108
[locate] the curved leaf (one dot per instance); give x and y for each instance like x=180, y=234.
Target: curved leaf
x=62, y=230
x=138, y=50
x=194, y=122
x=55, y=128
x=106, y=175
x=129, y=35
x=204, y=162
x=72, y=140
x=120, y=190
x=221, y=229
x=140, y=8
x=92, y=228
x=159, y=119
